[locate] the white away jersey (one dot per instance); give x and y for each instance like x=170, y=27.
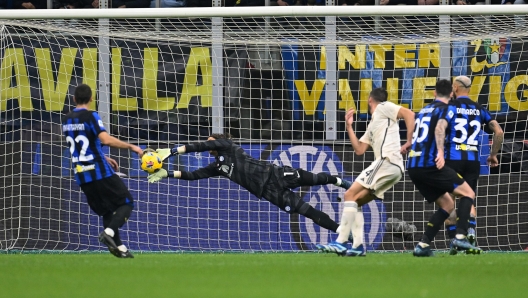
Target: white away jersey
x=383, y=133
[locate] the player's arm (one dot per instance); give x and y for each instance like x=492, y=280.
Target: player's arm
x=407, y=116
x=195, y=147
x=112, y=163
x=359, y=147
x=108, y=140
x=498, y=138
x=202, y=173
x=440, y=134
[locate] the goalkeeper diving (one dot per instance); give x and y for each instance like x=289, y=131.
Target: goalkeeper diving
x=261, y=178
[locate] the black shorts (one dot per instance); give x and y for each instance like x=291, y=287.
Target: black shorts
x=276, y=191
x=469, y=169
x=433, y=183
x=107, y=194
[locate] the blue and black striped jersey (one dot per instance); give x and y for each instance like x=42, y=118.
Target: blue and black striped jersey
x=464, y=129
x=423, y=150
x=81, y=128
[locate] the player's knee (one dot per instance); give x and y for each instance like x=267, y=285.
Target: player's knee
x=445, y=202
x=466, y=191
x=303, y=209
x=452, y=219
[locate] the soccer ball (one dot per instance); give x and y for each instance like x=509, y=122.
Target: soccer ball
x=151, y=162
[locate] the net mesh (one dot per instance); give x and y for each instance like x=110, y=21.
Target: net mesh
x=162, y=78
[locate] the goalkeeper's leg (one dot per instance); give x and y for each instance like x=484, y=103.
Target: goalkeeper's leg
x=310, y=179
x=319, y=217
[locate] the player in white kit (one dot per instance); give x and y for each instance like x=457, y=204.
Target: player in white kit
x=383, y=135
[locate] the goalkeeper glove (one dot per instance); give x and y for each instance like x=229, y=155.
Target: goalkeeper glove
x=162, y=173
x=165, y=153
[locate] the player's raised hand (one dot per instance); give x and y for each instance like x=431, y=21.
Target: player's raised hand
x=136, y=149
x=439, y=160
x=349, y=117
x=405, y=148
x=493, y=161
x=162, y=173
x=112, y=163
x=164, y=153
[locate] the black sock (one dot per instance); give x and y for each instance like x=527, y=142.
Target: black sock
x=321, y=218
x=434, y=224
x=451, y=231
x=310, y=179
x=117, y=239
x=463, y=213
x=472, y=222
x=120, y=216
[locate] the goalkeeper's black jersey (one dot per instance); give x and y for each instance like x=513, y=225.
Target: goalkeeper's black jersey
x=232, y=162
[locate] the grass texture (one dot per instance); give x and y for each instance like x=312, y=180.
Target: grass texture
x=263, y=275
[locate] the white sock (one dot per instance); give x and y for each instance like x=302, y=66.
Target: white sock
x=460, y=236
x=347, y=220
x=109, y=232
x=122, y=248
x=338, y=181
x=358, y=228
x=423, y=245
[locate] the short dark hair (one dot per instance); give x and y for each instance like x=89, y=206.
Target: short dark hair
x=443, y=88
x=217, y=136
x=379, y=94
x=82, y=94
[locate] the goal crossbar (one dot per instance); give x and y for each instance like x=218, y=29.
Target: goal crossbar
x=267, y=11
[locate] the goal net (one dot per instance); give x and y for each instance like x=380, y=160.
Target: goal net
x=280, y=83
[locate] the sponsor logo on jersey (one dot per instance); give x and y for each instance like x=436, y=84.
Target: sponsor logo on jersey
x=81, y=168
x=464, y=147
x=413, y=153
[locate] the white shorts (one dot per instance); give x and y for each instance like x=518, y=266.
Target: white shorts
x=380, y=176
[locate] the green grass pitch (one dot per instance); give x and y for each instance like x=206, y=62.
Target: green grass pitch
x=263, y=275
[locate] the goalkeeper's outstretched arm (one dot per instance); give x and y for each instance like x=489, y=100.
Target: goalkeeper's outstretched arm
x=211, y=145
x=202, y=173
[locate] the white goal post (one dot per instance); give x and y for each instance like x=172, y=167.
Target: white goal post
x=279, y=79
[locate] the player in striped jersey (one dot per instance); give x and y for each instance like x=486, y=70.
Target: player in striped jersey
x=462, y=144
x=106, y=193
x=383, y=135
x=432, y=178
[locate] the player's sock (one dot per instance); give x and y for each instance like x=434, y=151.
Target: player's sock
x=347, y=220
x=472, y=222
x=357, y=228
x=310, y=179
x=120, y=216
x=117, y=238
x=463, y=212
x=321, y=218
x=434, y=224
x=451, y=231
x=110, y=232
